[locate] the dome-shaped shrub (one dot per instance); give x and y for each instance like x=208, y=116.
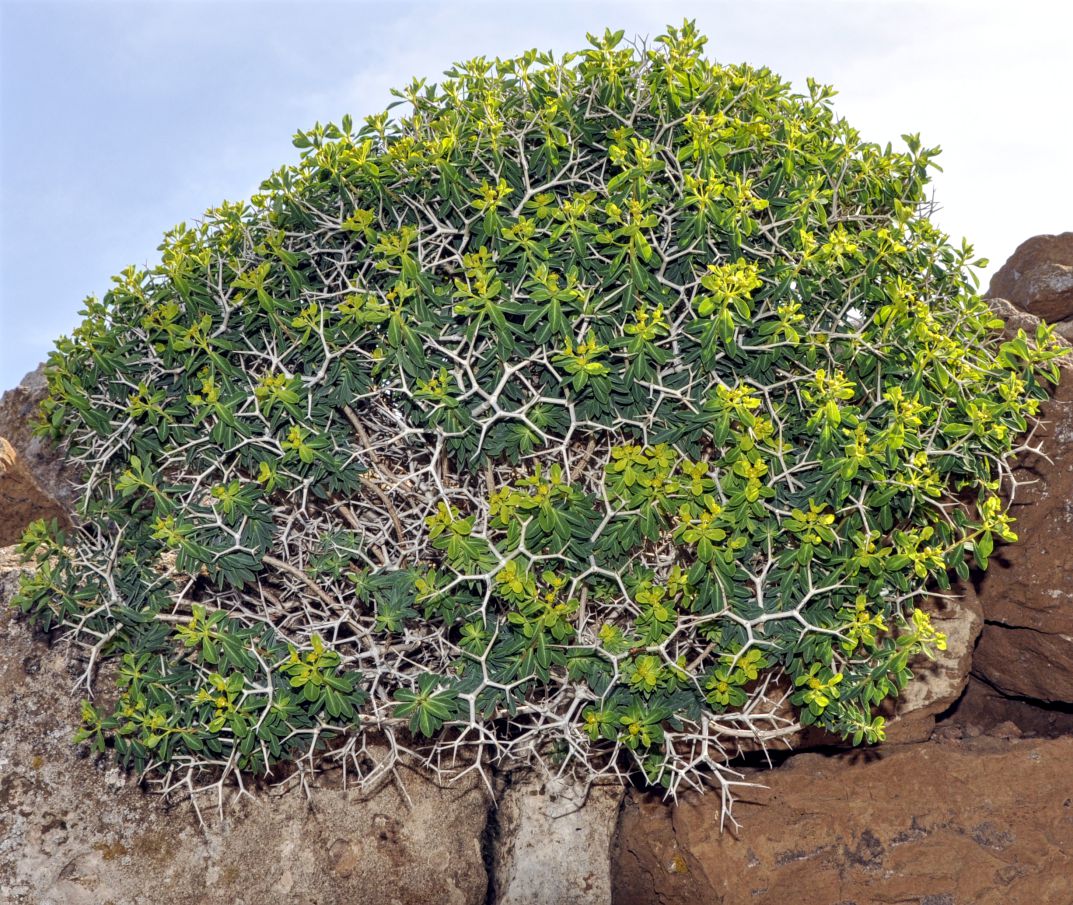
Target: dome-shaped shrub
x=597, y=410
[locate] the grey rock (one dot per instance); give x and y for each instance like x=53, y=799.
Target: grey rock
x=555, y=841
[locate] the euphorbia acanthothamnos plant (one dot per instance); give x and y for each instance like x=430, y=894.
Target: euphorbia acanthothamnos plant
x=614, y=410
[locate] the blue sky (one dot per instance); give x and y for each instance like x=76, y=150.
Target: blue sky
x=120, y=119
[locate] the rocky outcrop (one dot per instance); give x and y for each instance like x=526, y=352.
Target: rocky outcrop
x=987, y=821
x=1038, y=278
x=18, y=414
x=21, y=498
x=1026, y=648
x=76, y=831
x=983, y=710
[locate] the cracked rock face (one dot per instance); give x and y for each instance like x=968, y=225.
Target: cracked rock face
x=986, y=820
x=1026, y=647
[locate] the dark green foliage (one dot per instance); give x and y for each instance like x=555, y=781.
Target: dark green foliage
x=600, y=404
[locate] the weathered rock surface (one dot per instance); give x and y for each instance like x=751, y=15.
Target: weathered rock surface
x=21, y=498
x=554, y=842
x=1038, y=278
x=937, y=684
x=1027, y=592
x=983, y=710
x=18, y=413
x=986, y=821
x=1033, y=662
x=74, y=831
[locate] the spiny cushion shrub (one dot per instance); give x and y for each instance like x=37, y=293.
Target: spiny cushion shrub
x=618, y=409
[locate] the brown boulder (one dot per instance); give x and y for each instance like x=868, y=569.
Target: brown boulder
x=1027, y=592
x=21, y=498
x=1033, y=663
x=19, y=411
x=987, y=821
x=1038, y=277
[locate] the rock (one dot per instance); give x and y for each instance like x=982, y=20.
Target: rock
x=21, y=499
x=1035, y=663
x=1038, y=278
x=982, y=710
x=1027, y=592
x=554, y=841
x=937, y=684
x=18, y=414
x=986, y=820
x=74, y=830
